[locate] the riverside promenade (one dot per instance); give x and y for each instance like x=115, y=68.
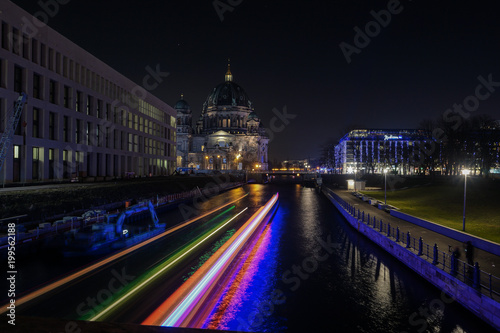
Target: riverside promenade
x=488, y=262
x=474, y=287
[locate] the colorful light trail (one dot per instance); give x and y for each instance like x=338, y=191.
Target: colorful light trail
x=187, y=306
x=169, y=263
x=48, y=288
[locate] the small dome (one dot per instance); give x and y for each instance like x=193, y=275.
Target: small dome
x=253, y=115
x=182, y=104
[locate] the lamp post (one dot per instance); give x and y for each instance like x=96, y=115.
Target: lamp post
x=465, y=172
x=385, y=187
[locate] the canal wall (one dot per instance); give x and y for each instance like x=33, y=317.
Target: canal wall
x=460, y=236
x=484, y=307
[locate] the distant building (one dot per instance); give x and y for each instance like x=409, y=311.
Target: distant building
x=295, y=165
x=228, y=135
x=82, y=118
x=374, y=150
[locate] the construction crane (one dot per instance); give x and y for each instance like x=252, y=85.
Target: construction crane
x=8, y=134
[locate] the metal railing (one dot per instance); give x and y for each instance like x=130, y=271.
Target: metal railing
x=472, y=275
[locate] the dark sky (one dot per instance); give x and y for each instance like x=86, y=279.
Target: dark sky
x=286, y=53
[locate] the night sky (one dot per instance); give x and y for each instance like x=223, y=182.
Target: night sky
x=287, y=53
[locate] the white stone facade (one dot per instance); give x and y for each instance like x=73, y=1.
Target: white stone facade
x=228, y=135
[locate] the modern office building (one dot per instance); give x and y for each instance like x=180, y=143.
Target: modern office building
x=82, y=118
x=376, y=150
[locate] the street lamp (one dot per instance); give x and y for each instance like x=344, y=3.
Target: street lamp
x=465, y=172
x=385, y=186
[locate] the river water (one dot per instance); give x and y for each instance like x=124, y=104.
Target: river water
x=320, y=275
x=312, y=272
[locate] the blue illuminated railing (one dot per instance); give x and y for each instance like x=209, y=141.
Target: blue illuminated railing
x=472, y=275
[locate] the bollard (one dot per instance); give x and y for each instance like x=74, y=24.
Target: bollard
x=408, y=239
x=435, y=259
x=420, y=246
x=397, y=234
x=477, y=276
x=388, y=230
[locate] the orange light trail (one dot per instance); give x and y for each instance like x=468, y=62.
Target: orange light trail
x=185, y=307
x=80, y=273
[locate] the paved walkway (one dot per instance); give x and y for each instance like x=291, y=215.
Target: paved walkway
x=488, y=262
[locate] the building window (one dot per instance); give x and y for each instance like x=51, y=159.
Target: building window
x=53, y=92
x=98, y=136
x=52, y=126
x=67, y=97
x=18, y=79
x=106, y=133
x=3, y=74
x=2, y=116
x=99, y=108
x=37, y=86
x=66, y=129
x=78, y=105
x=51, y=164
x=89, y=105
x=51, y=59
x=5, y=35
x=43, y=55
x=36, y=123
x=58, y=63
x=26, y=47
x=34, y=51
x=17, y=151
x=88, y=132
x=16, y=41
x=36, y=164
x=78, y=131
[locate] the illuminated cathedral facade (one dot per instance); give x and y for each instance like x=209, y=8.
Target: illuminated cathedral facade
x=228, y=134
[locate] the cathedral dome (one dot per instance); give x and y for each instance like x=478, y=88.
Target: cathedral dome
x=228, y=94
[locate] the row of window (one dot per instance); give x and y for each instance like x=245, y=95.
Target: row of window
x=73, y=164
x=31, y=49
x=88, y=105
x=88, y=133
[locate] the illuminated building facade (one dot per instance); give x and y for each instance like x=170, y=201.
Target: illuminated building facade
x=376, y=150
x=82, y=119
x=228, y=135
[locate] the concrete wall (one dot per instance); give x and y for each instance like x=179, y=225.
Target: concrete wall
x=484, y=307
x=478, y=242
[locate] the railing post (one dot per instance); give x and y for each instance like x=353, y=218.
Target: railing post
x=363, y=217
x=374, y=221
x=388, y=230
x=397, y=234
x=435, y=259
x=453, y=265
x=381, y=225
x=420, y=246
x=368, y=219
x=408, y=239
x=477, y=276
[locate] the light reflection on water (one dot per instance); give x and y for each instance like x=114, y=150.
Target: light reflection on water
x=358, y=288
